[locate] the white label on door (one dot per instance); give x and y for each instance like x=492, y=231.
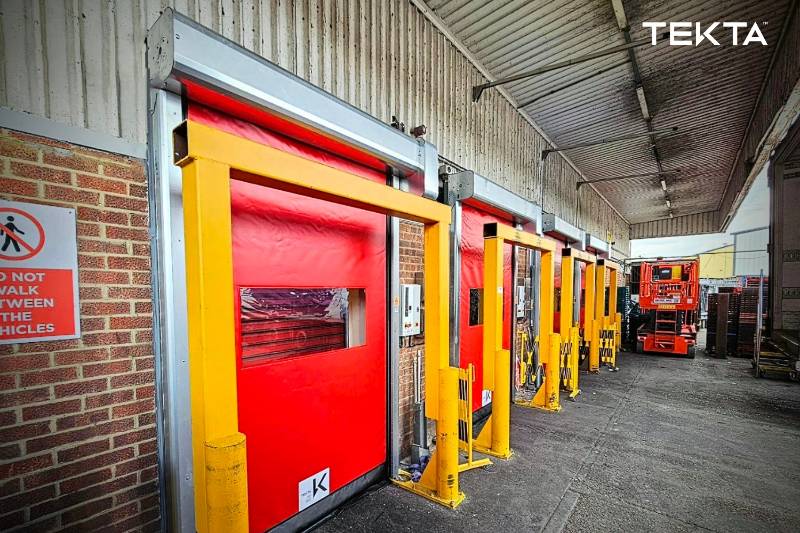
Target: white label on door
x=486, y=397
x=313, y=489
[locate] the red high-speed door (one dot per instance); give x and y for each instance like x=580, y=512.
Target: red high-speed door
x=310, y=291
x=471, y=295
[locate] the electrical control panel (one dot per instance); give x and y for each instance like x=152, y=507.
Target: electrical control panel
x=410, y=310
x=520, y=301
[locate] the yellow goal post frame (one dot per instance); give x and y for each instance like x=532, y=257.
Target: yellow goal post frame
x=604, y=322
x=209, y=158
x=494, y=438
x=570, y=332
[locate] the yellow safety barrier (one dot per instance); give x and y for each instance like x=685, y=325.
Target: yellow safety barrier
x=571, y=338
x=494, y=438
x=466, y=376
x=606, y=326
x=209, y=159
x=608, y=346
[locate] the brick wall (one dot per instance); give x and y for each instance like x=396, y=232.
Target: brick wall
x=411, y=269
x=77, y=417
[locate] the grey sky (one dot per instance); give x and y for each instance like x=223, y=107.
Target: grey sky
x=753, y=213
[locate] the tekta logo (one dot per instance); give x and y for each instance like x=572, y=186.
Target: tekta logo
x=679, y=30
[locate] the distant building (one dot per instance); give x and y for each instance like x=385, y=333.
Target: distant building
x=750, y=252
x=717, y=263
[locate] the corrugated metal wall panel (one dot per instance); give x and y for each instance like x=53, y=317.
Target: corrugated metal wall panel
x=82, y=62
x=750, y=252
x=696, y=224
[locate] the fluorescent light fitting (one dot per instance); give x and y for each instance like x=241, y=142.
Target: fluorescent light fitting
x=669, y=204
x=671, y=215
x=664, y=185
x=619, y=12
x=642, y=102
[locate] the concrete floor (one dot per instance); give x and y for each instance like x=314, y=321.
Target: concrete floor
x=665, y=444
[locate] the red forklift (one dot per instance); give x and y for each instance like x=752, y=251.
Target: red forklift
x=669, y=293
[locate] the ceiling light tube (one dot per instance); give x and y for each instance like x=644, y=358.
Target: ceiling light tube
x=664, y=185
x=669, y=204
x=642, y=102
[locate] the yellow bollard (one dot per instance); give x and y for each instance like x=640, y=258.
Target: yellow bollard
x=226, y=483
x=553, y=373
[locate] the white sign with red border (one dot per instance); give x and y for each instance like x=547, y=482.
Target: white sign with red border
x=38, y=273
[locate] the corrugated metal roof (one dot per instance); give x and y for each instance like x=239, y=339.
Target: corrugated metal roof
x=707, y=91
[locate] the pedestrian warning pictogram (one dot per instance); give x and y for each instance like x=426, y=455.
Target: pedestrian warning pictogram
x=38, y=273
x=21, y=235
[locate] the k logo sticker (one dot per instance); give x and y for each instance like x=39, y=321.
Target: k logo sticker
x=314, y=488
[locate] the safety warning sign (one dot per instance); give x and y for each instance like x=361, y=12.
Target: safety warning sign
x=38, y=273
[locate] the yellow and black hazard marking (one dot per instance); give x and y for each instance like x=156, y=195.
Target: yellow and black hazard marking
x=466, y=377
x=607, y=346
x=566, y=370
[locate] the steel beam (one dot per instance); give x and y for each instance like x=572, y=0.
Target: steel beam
x=477, y=90
x=664, y=132
x=629, y=176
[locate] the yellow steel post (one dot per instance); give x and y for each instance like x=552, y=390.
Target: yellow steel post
x=567, y=277
x=492, y=307
x=220, y=461
x=612, y=292
x=614, y=318
x=494, y=438
x=599, y=316
x=439, y=482
x=588, y=311
x=496, y=235
x=547, y=397
x=219, y=450
x=568, y=351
